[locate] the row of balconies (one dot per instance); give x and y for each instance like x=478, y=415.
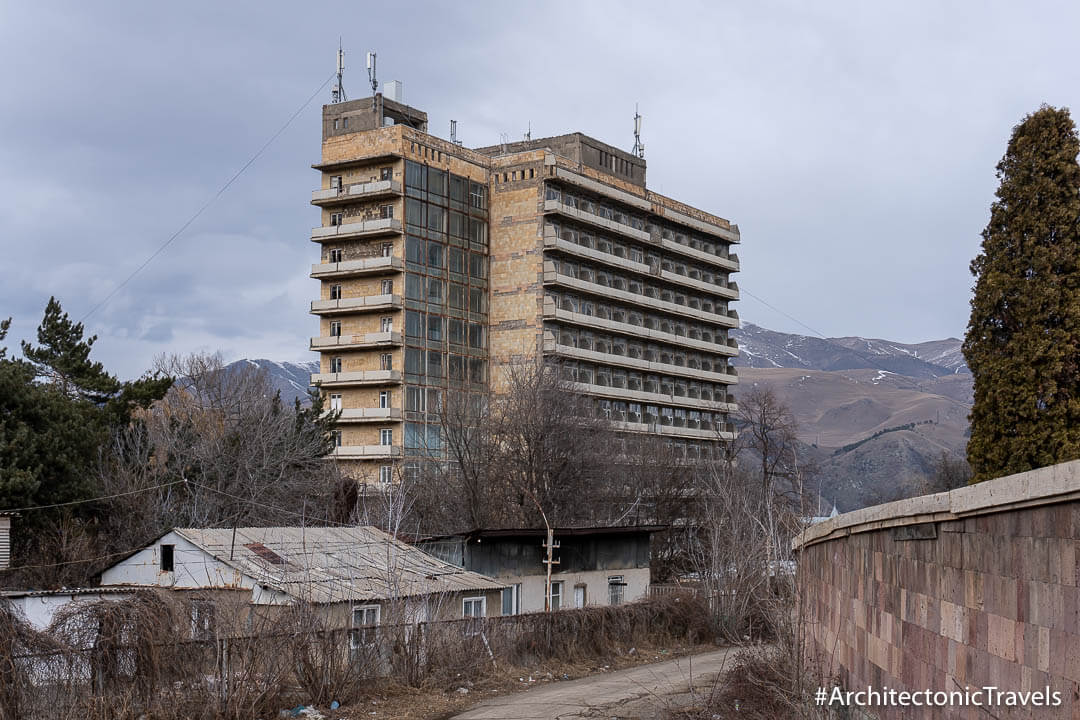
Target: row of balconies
x=729, y=348
x=729, y=290
x=725, y=431
x=367, y=303
x=553, y=277
x=654, y=398
x=552, y=347
x=362, y=341
x=356, y=191
x=358, y=229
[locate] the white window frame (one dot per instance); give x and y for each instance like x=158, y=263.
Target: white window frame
x=335, y=292
x=616, y=586
x=465, y=602
x=386, y=436
x=387, y=249
x=335, y=401
x=384, y=399
x=335, y=328
x=358, y=635
x=386, y=475
x=336, y=435
x=556, y=594
x=515, y=599
x=335, y=255
x=386, y=324
x=337, y=219
x=336, y=362
x=387, y=287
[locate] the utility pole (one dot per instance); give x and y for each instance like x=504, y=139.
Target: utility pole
x=550, y=545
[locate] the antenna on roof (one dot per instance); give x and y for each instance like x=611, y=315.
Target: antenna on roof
x=639, y=147
x=528, y=133
x=337, y=94
x=371, y=73
x=453, y=132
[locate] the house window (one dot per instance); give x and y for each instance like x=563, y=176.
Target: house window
x=335, y=182
x=384, y=399
x=474, y=607
x=386, y=436
x=365, y=621
x=335, y=292
x=335, y=255
x=386, y=361
x=387, y=249
x=166, y=559
x=335, y=401
x=335, y=219
x=579, y=595
x=386, y=474
x=387, y=287
x=386, y=324
x=386, y=173
x=616, y=589
x=335, y=365
x=556, y=595
x=336, y=437
x=511, y=599
x=335, y=328
x=386, y=212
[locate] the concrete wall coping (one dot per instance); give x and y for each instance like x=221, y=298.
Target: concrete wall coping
x=1044, y=486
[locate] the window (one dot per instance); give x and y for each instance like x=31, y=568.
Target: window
x=335, y=292
x=456, y=331
x=616, y=589
x=386, y=212
x=579, y=596
x=335, y=401
x=386, y=474
x=335, y=365
x=386, y=324
x=476, y=300
x=386, y=173
x=335, y=182
x=365, y=620
x=166, y=559
x=386, y=361
x=511, y=599
x=387, y=249
x=335, y=218
x=556, y=595
x=414, y=213
x=435, y=328
x=474, y=607
x=386, y=436
x=202, y=619
x=414, y=324
x=335, y=255
x=384, y=399
x=387, y=287
x=477, y=266
x=335, y=328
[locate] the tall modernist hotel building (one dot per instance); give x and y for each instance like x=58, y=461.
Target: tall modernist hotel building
x=440, y=264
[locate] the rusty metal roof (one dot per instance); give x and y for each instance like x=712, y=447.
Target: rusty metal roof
x=335, y=564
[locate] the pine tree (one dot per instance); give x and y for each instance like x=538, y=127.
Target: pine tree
x=1023, y=338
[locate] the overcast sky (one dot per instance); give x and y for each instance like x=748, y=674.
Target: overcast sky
x=854, y=145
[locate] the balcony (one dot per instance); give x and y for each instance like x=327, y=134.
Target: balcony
x=383, y=265
x=359, y=377
x=728, y=235
x=369, y=415
x=363, y=228
x=368, y=303
x=724, y=431
x=362, y=341
x=367, y=452
x=551, y=277
x=729, y=348
x=356, y=191
x=557, y=206
x=553, y=348
x=602, y=189
x=729, y=263
x=680, y=401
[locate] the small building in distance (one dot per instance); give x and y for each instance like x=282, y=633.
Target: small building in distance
x=5, y=538
x=352, y=574
x=39, y=607
x=597, y=566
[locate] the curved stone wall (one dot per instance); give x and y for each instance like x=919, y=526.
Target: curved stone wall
x=966, y=589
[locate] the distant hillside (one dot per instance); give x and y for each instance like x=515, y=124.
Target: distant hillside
x=763, y=348
x=290, y=379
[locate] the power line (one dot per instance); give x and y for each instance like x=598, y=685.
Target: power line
x=90, y=500
x=208, y=203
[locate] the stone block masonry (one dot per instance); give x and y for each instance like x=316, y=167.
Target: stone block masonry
x=971, y=588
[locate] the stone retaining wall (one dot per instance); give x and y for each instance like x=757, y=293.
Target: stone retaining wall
x=971, y=588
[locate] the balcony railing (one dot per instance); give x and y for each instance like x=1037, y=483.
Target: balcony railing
x=362, y=228
x=729, y=347
x=357, y=377
x=367, y=452
x=356, y=191
x=557, y=206
x=356, y=342
x=368, y=303
x=368, y=415
x=638, y=396
x=727, y=376
x=382, y=265
x=723, y=431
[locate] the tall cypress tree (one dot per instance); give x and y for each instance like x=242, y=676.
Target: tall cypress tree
x=1023, y=338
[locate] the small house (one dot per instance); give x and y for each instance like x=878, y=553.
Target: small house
x=596, y=566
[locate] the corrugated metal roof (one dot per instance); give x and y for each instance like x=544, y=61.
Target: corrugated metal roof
x=335, y=564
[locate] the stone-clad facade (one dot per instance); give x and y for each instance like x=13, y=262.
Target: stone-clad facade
x=439, y=265
x=967, y=589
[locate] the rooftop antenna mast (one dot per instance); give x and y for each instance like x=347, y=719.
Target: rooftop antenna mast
x=337, y=94
x=371, y=73
x=453, y=133
x=528, y=133
x=639, y=147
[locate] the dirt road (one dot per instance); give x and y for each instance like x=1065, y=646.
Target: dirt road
x=633, y=690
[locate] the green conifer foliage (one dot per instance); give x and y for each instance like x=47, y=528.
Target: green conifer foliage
x=1023, y=338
